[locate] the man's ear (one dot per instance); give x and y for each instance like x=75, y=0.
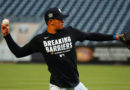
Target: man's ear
x=50, y=21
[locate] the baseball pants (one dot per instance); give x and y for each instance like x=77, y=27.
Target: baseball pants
x=80, y=86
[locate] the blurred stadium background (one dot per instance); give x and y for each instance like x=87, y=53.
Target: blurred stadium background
x=102, y=16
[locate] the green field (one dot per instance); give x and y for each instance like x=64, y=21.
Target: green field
x=36, y=77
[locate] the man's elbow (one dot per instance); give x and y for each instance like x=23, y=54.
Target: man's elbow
x=19, y=56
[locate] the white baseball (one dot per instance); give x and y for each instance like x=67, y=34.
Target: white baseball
x=5, y=21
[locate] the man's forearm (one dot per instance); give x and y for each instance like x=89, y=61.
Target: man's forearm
x=15, y=49
x=100, y=37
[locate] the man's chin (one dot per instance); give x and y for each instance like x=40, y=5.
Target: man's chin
x=61, y=28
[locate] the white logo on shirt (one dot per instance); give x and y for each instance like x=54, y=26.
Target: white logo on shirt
x=50, y=15
x=61, y=55
x=46, y=37
x=59, y=10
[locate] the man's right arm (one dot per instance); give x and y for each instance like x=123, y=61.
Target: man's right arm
x=15, y=49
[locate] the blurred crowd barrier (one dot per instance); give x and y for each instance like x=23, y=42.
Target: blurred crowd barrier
x=112, y=53
x=7, y=56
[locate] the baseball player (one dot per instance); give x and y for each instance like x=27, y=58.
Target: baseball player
x=57, y=45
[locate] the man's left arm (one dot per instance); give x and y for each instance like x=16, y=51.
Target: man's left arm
x=124, y=37
x=100, y=37
x=81, y=36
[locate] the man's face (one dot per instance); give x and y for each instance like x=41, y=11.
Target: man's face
x=58, y=24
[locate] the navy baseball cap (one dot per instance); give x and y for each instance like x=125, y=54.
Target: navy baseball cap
x=54, y=13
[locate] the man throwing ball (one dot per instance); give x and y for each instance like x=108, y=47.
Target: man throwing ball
x=57, y=45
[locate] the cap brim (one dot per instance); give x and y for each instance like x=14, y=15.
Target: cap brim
x=65, y=16
x=62, y=17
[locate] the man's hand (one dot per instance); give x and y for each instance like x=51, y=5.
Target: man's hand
x=5, y=27
x=125, y=38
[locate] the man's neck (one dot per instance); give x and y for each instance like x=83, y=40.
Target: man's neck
x=51, y=30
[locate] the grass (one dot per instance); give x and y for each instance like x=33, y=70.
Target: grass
x=36, y=77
